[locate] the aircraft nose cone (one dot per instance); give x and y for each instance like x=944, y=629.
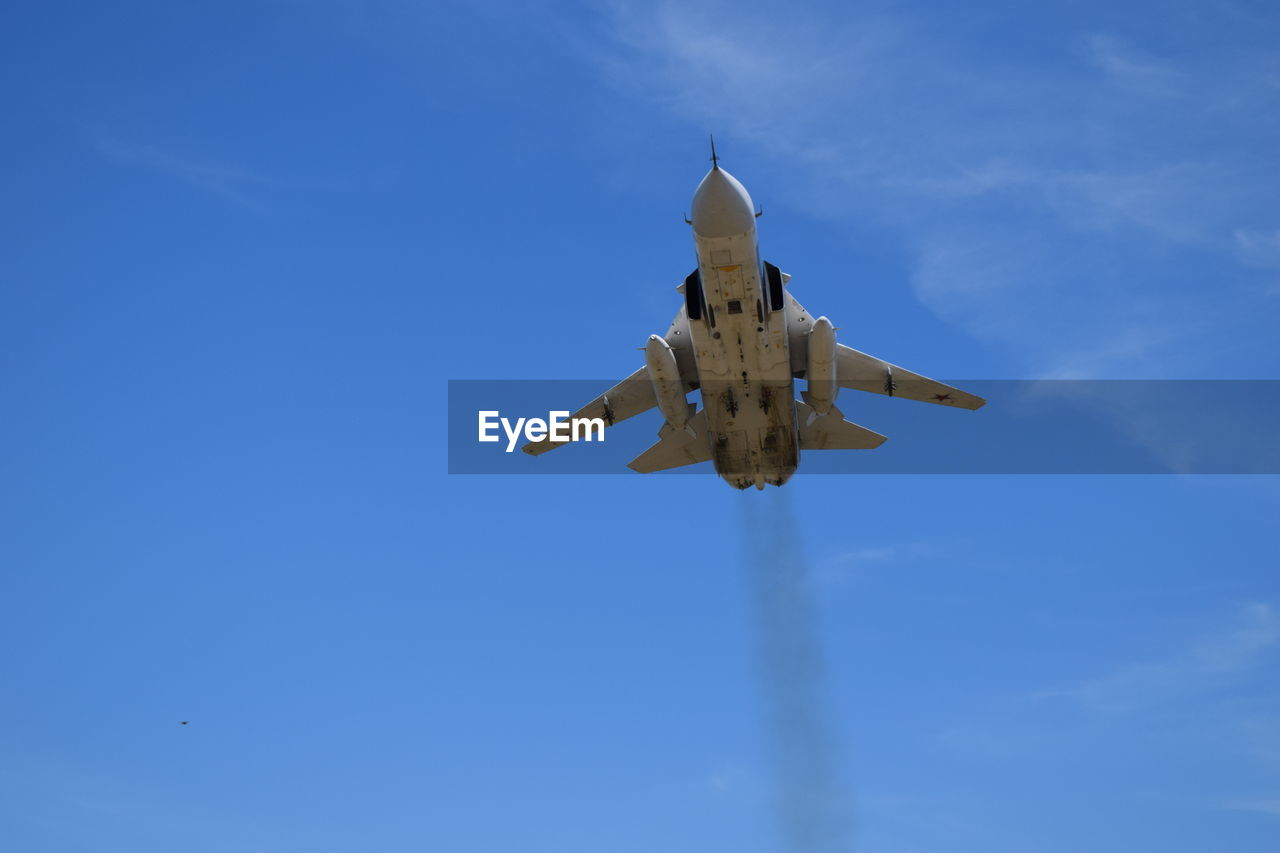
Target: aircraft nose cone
x=722, y=207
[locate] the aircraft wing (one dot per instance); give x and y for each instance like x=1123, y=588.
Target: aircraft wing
x=832, y=432
x=863, y=372
x=628, y=398
x=676, y=447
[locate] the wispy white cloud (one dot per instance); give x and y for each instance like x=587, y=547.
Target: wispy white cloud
x=1259, y=248
x=85, y=803
x=1211, y=663
x=231, y=182
x=1131, y=67
x=1264, y=805
x=736, y=782
x=1052, y=207
x=842, y=567
x=880, y=554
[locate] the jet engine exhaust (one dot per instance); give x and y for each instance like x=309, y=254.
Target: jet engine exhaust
x=813, y=810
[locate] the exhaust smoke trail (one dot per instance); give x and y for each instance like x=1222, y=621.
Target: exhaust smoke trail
x=812, y=807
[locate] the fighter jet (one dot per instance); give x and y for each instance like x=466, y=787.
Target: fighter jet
x=741, y=340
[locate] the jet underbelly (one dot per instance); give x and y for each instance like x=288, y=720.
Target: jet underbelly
x=744, y=368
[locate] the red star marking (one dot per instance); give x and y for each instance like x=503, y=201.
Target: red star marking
x=941, y=397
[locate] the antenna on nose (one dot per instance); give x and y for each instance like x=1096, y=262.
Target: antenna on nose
x=715, y=161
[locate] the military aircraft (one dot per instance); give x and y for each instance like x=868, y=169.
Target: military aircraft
x=741, y=339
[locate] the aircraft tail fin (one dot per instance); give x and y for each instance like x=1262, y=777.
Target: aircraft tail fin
x=676, y=447
x=832, y=432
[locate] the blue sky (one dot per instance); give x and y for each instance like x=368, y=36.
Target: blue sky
x=245, y=245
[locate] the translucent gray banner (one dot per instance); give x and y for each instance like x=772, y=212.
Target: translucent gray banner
x=1026, y=427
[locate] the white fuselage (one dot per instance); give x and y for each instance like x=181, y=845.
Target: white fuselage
x=740, y=346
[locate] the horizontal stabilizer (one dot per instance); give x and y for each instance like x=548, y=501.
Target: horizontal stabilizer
x=676, y=447
x=832, y=432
